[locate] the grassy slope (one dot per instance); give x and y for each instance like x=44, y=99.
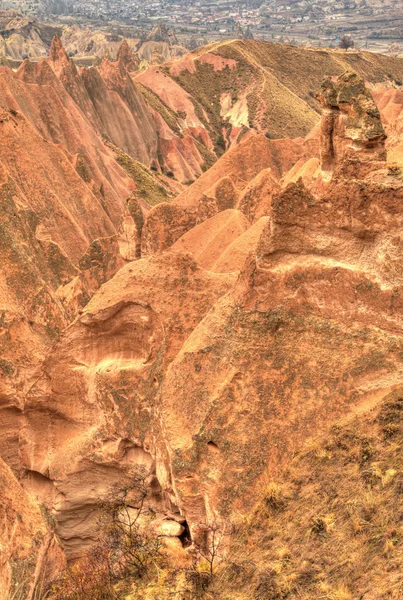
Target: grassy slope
x=152, y=187
x=273, y=84
x=280, y=82
x=331, y=526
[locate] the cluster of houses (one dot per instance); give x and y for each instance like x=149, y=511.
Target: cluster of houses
x=322, y=20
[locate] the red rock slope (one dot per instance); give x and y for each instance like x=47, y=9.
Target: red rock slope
x=208, y=379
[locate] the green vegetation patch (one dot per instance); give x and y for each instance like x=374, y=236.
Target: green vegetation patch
x=148, y=186
x=155, y=102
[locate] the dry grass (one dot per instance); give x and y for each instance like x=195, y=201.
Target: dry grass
x=151, y=186
x=332, y=527
x=280, y=82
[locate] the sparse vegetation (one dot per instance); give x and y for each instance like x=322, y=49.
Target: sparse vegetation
x=290, y=346
x=24, y=581
x=125, y=552
x=346, y=43
x=150, y=185
x=330, y=527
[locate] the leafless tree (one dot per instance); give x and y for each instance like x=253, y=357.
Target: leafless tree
x=210, y=546
x=132, y=549
x=125, y=550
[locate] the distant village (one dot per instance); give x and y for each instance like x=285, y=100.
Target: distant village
x=374, y=24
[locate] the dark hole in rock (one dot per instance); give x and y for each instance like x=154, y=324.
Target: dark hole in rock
x=185, y=537
x=212, y=446
x=237, y=377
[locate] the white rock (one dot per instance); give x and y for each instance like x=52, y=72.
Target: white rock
x=170, y=529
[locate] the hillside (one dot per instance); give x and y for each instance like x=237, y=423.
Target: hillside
x=328, y=525
x=192, y=341
x=244, y=84
x=22, y=37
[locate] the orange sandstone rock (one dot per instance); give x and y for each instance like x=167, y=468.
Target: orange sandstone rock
x=234, y=256
x=95, y=395
x=29, y=551
x=207, y=241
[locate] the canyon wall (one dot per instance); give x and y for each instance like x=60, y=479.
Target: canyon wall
x=201, y=339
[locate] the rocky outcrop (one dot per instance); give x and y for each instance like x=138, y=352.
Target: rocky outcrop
x=126, y=58
x=244, y=162
x=196, y=397
x=182, y=158
x=175, y=110
x=161, y=33
x=131, y=230
x=110, y=101
x=50, y=217
x=164, y=225
x=223, y=195
x=121, y=86
x=234, y=256
x=62, y=200
x=256, y=198
x=306, y=334
x=95, y=395
x=150, y=51
x=22, y=36
x=117, y=109
x=258, y=306
x=325, y=263
x=30, y=555
x=208, y=240
x=390, y=104
x=351, y=122
x=88, y=46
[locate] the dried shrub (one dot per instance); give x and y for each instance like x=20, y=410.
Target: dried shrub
x=125, y=550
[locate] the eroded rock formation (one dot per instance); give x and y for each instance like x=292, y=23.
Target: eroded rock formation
x=29, y=550
x=261, y=304
x=306, y=332
x=351, y=122
x=95, y=395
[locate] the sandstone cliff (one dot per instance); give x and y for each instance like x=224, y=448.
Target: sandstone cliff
x=204, y=339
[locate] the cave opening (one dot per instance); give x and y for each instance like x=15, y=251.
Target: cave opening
x=212, y=446
x=185, y=537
